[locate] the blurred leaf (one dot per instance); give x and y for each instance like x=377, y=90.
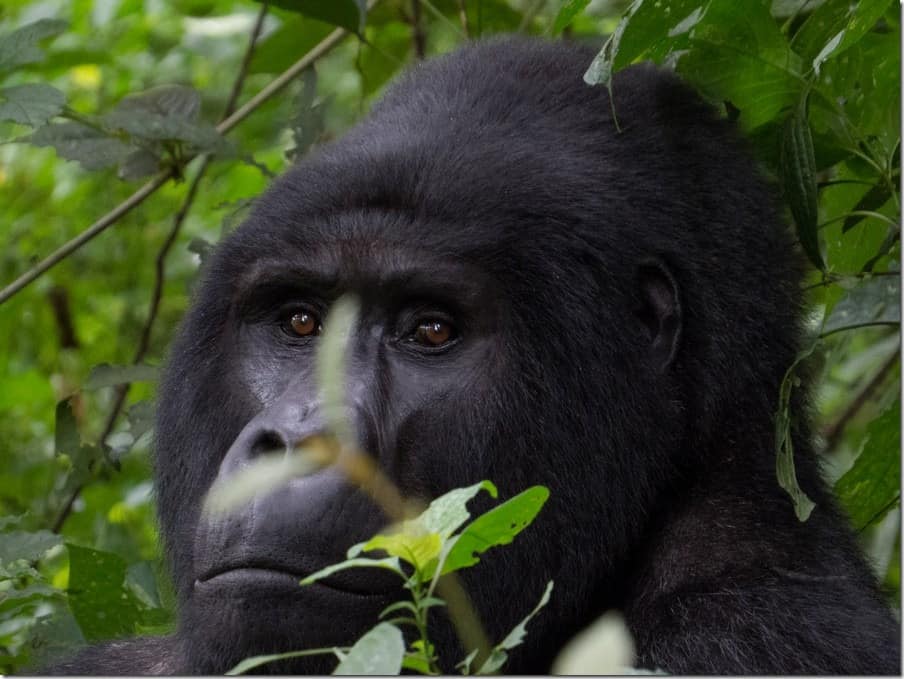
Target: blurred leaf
x=90, y=147
x=32, y=104
x=875, y=300
x=139, y=164
x=606, y=647
x=567, y=13
x=287, y=44
x=499, y=526
x=872, y=486
x=141, y=418
x=30, y=546
x=499, y=655
x=349, y=14
x=167, y=101
x=103, y=607
x=20, y=46
x=67, y=440
x=380, y=651
x=106, y=375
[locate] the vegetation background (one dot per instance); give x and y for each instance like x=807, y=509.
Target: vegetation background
x=106, y=101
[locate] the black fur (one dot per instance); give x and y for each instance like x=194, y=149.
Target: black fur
x=627, y=305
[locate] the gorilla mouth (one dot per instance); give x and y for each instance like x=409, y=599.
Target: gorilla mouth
x=272, y=576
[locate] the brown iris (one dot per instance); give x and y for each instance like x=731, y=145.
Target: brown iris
x=434, y=333
x=304, y=324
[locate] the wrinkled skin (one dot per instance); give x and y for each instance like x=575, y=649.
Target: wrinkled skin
x=616, y=311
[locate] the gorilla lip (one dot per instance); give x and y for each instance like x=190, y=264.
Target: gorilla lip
x=245, y=574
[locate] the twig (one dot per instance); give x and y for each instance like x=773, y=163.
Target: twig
x=834, y=430
x=463, y=17
x=141, y=194
x=160, y=264
x=417, y=30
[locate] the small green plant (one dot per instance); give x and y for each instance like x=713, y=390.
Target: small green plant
x=435, y=544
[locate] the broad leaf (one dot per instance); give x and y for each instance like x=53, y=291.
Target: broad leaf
x=20, y=46
x=567, y=14
x=32, y=104
x=380, y=651
x=418, y=549
x=499, y=526
x=29, y=546
x=448, y=512
x=101, y=603
x=91, y=148
x=872, y=487
x=876, y=300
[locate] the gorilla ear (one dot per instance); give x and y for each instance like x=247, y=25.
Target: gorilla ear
x=660, y=310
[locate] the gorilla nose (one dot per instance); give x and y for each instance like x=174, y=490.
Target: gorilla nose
x=271, y=432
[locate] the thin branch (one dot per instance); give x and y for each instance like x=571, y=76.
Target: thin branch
x=417, y=30
x=276, y=86
x=834, y=430
x=144, y=342
x=463, y=18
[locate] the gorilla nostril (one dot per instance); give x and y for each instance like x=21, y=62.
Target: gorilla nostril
x=267, y=442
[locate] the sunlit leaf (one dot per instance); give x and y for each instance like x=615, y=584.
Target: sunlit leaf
x=606, y=647
x=567, y=14
x=499, y=526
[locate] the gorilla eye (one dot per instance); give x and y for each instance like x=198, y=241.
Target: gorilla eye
x=434, y=333
x=305, y=324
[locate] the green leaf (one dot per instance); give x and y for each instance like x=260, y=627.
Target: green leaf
x=19, y=47
x=499, y=526
x=871, y=201
x=258, y=660
x=66, y=437
x=90, y=147
x=871, y=487
x=835, y=26
x=390, y=563
x=139, y=164
x=101, y=603
x=380, y=651
x=32, y=104
x=567, y=14
x=448, y=512
x=26, y=545
x=349, y=14
x=784, y=445
x=606, y=647
x=141, y=418
x=418, y=549
x=499, y=654
x=168, y=101
x=106, y=375
x=798, y=169
x=875, y=300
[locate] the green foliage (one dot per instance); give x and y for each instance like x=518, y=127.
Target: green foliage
x=130, y=89
x=431, y=547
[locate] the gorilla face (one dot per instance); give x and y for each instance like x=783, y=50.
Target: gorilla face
x=522, y=269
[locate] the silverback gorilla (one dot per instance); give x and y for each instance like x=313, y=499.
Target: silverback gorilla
x=546, y=299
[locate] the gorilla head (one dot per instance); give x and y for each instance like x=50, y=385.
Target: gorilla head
x=547, y=298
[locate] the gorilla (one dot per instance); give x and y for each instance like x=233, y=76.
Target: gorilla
x=547, y=297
